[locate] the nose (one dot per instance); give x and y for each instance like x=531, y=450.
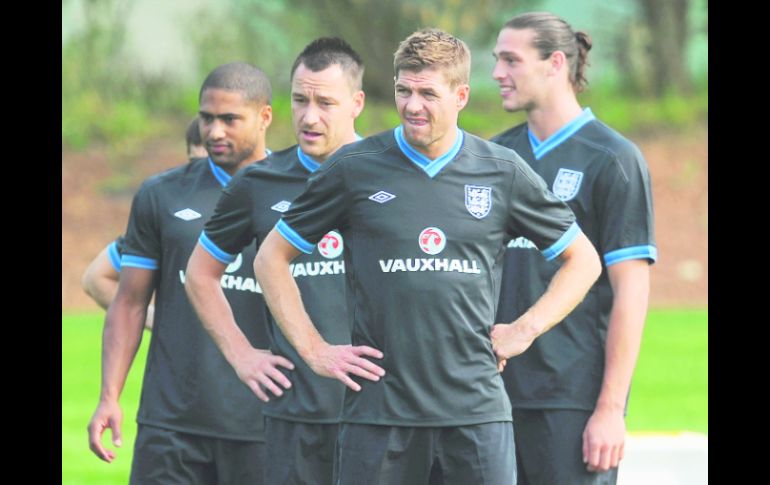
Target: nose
x=498, y=73
x=311, y=115
x=215, y=130
x=413, y=104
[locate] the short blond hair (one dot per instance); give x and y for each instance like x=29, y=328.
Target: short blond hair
x=434, y=49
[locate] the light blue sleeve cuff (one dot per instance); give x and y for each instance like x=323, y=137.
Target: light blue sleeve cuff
x=565, y=240
x=213, y=250
x=295, y=239
x=634, y=252
x=127, y=261
x=112, y=252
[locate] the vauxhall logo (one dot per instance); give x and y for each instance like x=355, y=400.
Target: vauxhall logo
x=432, y=241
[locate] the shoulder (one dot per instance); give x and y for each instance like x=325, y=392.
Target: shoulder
x=174, y=175
x=510, y=134
x=480, y=148
x=619, y=152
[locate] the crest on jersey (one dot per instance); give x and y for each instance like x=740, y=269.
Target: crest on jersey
x=478, y=200
x=331, y=245
x=567, y=184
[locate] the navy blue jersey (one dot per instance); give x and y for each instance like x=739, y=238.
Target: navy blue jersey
x=188, y=385
x=424, y=242
x=604, y=179
x=247, y=211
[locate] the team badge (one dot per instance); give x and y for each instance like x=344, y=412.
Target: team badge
x=432, y=240
x=478, y=200
x=331, y=245
x=567, y=184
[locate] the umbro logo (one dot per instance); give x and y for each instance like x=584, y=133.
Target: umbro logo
x=187, y=214
x=282, y=206
x=381, y=197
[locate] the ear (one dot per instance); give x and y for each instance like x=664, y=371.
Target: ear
x=557, y=63
x=266, y=114
x=463, y=93
x=359, y=99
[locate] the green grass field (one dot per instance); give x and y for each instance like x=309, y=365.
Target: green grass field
x=669, y=392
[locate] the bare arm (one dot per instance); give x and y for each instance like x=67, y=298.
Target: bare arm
x=281, y=293
x=100, y=282
x=120, y=341
x=254, y=367
x=604, y=436
x=567, y=288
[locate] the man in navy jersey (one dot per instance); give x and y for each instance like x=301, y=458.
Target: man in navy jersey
x=569, y=390
x=197, y=422
x=100, y=279
x=302, y=409
x=425, y=211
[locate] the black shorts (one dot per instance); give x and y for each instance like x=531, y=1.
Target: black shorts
x=549, y=448
x=480, y=454
x=164, y=457
x=299, y=453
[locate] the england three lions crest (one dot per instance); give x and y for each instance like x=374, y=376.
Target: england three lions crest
x=567, y=184
x=478, y=200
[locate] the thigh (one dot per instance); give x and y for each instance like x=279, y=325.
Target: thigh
x=549, y=446
x=299, y=453
x=383, y=455
x=480, y=454
x=240, y=462
x=163, y=456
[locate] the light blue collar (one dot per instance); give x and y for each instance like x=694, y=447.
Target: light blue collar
x=307, y=162
x=219, y=173
x=310, y=164
x=431, y=167
x=541, y=148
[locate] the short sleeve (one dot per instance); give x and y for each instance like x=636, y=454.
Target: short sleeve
x=319, y=209
x=231, y=227
x=536, y=214
x=623, y=196
x=141, y=246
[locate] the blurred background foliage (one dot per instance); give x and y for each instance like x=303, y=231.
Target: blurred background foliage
x=131, y=69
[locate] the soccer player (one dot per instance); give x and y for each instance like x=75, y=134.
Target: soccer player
x=569, y=390
x=302, y=421
x=426, y=210
x=197, y=422
x=100, y=279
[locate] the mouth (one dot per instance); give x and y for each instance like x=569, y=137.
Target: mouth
x=311, y=135
x=506, y=91
x=218, y=148
x=417, y=122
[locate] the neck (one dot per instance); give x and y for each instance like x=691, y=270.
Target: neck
x=256, y=156
x=546, y=119
x=441, y=146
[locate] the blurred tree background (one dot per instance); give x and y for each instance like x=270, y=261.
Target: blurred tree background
x=132, y=68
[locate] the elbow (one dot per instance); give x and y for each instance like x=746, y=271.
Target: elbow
x=86, y=282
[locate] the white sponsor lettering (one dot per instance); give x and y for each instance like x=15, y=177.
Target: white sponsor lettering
x=429, y=264
x=521, y=242
x=317, y=268
x=229, y=282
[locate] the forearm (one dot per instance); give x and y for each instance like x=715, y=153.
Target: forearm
x=120, y=340
x=624, y=337
x=566, y=289
x=283, y=298
x=214, y=311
